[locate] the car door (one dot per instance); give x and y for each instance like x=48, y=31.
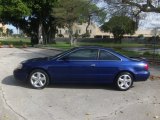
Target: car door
x=77, y=66
x=107, y=67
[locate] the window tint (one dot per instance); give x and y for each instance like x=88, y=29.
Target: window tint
x=83, y=54
x=104, y=55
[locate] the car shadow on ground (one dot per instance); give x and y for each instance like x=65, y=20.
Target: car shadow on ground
x=10, y=80
x=83, y=86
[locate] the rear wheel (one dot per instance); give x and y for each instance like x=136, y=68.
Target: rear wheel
x=124, y=81
x=38, y=79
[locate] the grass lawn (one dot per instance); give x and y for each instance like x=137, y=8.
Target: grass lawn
x=65, y=45
x=60, y=45
x=17, y=42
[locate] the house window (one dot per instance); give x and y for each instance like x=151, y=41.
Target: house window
x=90, y=31
x=79, y=31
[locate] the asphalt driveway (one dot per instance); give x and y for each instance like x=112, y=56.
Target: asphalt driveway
x=72, y=102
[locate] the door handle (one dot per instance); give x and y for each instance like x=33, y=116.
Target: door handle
x=93, y=65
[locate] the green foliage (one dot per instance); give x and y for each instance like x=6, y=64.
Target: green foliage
x=12, y=10
x=28, y=15
x=70, y=11
x=120, y=25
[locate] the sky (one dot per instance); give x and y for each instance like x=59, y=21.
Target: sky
x=150, y=21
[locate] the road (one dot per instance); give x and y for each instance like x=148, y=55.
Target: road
x=18, y=101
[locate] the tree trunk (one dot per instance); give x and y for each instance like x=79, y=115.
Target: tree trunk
x=51, y=35
x=40, y=34
x=89, y=22
x=44, y=37
x=34, y=39
x=71, y=35
x=71, y=40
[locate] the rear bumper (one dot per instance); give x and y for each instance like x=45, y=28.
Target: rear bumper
x=142, y=76
x=20, y=75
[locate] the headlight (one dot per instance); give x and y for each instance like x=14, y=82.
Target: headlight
x=19, y=66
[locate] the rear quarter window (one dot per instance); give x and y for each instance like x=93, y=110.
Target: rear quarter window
x=105, y=55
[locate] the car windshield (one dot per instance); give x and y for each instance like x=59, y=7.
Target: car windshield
x=60, y=54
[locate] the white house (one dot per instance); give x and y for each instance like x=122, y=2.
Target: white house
x=96, y=32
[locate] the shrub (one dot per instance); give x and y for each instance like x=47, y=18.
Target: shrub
x=147, y=53
x=61, y=35
x=86, y=35
x=140, y=36
x=76, y=35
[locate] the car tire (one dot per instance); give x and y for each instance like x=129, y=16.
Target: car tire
x=124, y=81
x=38, y=79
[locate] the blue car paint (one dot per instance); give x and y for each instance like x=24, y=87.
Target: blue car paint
x=61, y=71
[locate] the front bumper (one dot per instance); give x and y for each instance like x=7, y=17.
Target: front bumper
x=20, y=75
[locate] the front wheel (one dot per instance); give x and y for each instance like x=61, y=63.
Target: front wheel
x=38, y=79
x=124, y=81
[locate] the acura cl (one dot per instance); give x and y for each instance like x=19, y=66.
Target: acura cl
x=83, y=65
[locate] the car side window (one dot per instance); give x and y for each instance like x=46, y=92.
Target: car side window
x=104, y=55
x=83, y=54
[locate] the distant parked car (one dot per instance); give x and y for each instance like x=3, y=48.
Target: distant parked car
x=83, y=65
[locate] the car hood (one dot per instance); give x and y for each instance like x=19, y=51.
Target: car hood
x=37, y=60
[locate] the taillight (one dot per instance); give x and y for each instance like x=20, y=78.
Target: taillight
x=146, y=67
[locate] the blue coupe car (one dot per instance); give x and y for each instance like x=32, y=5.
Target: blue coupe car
x=83, y=65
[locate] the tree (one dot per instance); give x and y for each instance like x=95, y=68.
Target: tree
x=32, y=16
x=148, y=6
x=92, y=13
x=120, y=25
x=13, y=10
x=1, y=31
x=40, y=23
x=139, y=5
x=42, y=12
x=69, y=12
